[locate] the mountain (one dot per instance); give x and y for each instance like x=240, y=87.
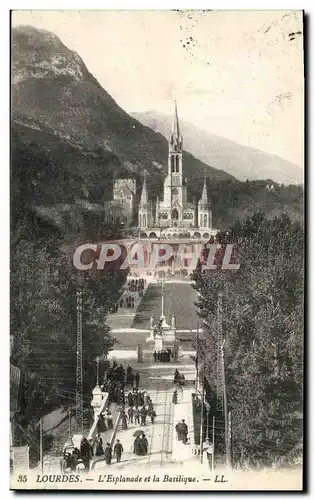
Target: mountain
x=240, y=161
x=69, y=136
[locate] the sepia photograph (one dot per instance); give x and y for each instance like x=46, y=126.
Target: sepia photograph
x=157, y=250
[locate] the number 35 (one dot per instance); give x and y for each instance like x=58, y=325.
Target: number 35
x=22, y=479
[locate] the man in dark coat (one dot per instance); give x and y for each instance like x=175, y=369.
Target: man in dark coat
x=137, y=379
x=131, y=414
x=178, y=431
x=108, y=454
x=136, y=416
x=138, y=400
x=152, y=415
x=143, y=415
x=129, y=372
x=155, y=356
x=86, y=452
x=130, y=399
x=175, y=397
x=184, y=431
x=118, y=450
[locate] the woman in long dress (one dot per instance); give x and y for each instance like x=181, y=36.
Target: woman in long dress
x=137, y=446
x=109, y=419
x=143, y=445
x=124, y=424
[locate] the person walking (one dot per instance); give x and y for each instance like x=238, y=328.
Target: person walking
x=175, y=397
x=99, y=447
x=143, y=445
x=118, y=450
x=184, y=431
x=130, y=399
x=155, y=356
x=108, y=454
x=146, y=398
x=124, y=424
x=178, y=431
x=101, y=424
x=152, y=415
x=143, y=413
x=86, y=452
x=136, y=416
x=129, y=371
x=137, y=379
x=131, y=414
x=109, y=419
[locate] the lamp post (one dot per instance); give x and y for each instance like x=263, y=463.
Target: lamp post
x=207, y=406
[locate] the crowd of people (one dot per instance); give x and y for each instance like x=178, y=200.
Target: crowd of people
x=139, y=408
x=116, y=380
x=163, y=356
x=78, y=459
x=134, y=286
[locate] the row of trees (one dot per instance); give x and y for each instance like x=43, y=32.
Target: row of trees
x=44, y=319
x=263, y=333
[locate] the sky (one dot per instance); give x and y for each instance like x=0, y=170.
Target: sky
x=236, y=74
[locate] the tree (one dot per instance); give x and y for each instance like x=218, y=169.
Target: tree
x=263, y=330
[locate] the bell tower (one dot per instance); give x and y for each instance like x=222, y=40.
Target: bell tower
x=174, y=190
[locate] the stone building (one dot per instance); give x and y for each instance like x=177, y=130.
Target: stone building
x=174, y=215
x=121, y=209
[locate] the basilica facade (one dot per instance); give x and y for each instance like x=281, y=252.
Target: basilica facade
x=174, y=215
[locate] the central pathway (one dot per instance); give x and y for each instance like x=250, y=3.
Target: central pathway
x=159, y=434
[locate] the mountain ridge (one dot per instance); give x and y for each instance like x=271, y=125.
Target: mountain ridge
x=52, y=90
x=243, y=162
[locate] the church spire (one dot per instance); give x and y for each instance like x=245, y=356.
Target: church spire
x=144, y=195
x=175, y=124
x=204, y=199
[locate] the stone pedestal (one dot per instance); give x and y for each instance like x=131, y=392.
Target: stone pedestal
x=163, y=336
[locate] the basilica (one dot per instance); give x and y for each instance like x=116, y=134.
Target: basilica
x=174, y=215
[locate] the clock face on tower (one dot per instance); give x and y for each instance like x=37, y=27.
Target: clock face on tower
x=175, y=191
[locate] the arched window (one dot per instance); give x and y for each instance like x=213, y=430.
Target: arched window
x=205, y=220
x=201, y=220
x=140, y=220
x=172, y=163
x=177, y=163
x=144, y=220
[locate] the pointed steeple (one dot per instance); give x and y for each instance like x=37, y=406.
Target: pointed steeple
x=144, y=195
x=175, y=124
x=204, y=201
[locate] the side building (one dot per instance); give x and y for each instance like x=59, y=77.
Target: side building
x=121, y=210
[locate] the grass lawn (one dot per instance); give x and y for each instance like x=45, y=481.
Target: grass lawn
x=179, y=301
